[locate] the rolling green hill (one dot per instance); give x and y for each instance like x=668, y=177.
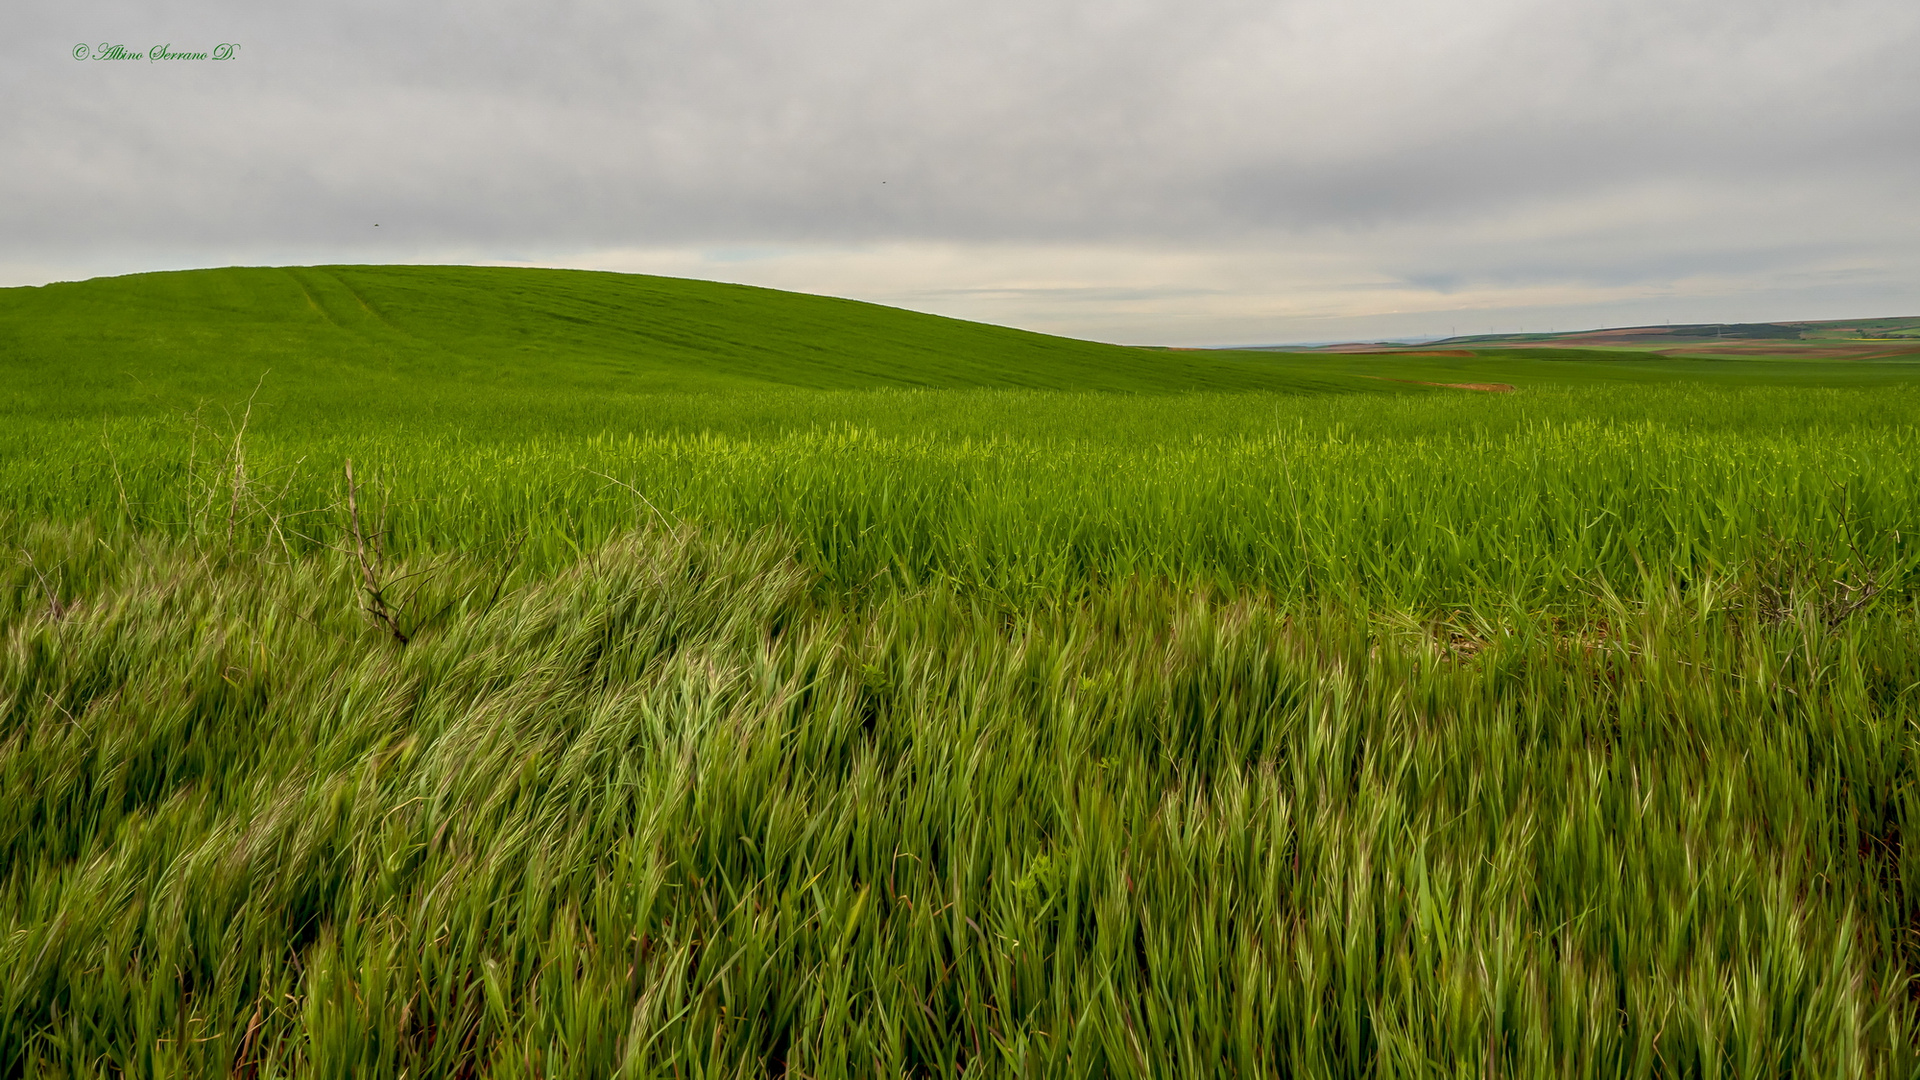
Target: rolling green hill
x=355, y=336
x=510, y=348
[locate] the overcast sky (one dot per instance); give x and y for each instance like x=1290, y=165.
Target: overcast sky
x=1155, y=172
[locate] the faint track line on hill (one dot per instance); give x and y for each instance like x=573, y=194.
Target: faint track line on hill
x=312, y=302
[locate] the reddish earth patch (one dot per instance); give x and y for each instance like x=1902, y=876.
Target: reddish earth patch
x=1486, y=387
x=1483, y=387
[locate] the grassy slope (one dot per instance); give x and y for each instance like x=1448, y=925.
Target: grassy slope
x=444, y=336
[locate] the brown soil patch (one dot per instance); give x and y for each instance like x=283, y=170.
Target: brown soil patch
x=1483, y=387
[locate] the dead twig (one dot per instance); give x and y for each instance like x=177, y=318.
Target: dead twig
x=119, y=482
x=237, y=458
x=376, y=602
x=245, y=1064
x=52, y=588
x=638, y=492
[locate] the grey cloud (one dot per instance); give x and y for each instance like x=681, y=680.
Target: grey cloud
x=760, y=121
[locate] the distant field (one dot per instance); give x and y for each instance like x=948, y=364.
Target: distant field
x=1545, y=365
x=1835, y=337
x=699, y=680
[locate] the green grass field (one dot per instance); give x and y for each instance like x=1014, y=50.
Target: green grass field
x=706, y=681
